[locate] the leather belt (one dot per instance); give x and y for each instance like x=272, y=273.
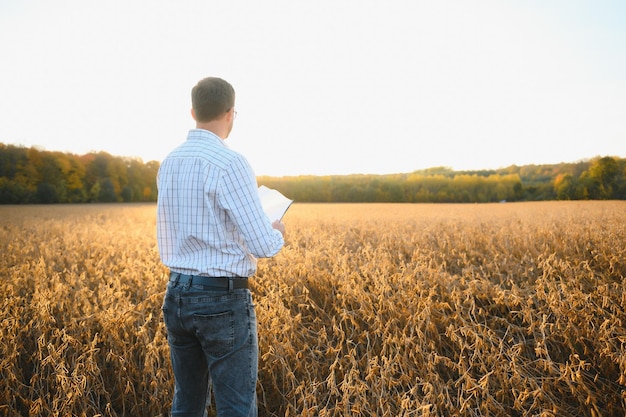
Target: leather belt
x=219, y=283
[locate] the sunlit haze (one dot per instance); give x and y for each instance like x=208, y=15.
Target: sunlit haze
x=324, y=87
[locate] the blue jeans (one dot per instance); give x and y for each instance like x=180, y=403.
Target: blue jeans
x=213, y=344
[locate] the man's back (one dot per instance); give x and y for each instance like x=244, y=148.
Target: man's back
x=208, y=221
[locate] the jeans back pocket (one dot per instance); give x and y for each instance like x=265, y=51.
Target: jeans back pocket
x=216, y=332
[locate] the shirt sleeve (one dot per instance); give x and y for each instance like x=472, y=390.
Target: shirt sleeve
x=239, y=197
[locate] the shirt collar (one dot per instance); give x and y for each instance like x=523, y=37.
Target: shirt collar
x=201, y=134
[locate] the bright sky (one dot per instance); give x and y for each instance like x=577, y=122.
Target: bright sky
x=323, y=87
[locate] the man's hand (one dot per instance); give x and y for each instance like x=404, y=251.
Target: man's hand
x=278, y=225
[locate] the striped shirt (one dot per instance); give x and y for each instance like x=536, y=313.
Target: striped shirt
x=209, y=216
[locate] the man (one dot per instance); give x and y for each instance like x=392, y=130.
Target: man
x=210, y=230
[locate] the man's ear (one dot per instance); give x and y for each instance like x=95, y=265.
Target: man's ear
x=193, y=114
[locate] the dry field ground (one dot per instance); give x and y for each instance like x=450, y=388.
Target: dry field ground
x=513, y=309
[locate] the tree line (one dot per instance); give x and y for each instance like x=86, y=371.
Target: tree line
x=601, y=178
x=35, y=176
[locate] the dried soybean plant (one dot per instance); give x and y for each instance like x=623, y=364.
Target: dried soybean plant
x=512, y=309
x=372, y=310
x=81, y=331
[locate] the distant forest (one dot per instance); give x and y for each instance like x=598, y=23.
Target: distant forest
x=35, y=176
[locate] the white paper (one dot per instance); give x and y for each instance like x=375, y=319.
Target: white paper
x=274, y=204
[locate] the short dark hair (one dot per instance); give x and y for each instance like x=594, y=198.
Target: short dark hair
x=211, y=98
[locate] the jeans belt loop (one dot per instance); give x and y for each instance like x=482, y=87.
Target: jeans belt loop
x=230, y=284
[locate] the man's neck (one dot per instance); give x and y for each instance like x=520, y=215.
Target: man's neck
x=214, y=127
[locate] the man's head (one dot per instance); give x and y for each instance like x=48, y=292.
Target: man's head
x=213, y=106
x=211, y=98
